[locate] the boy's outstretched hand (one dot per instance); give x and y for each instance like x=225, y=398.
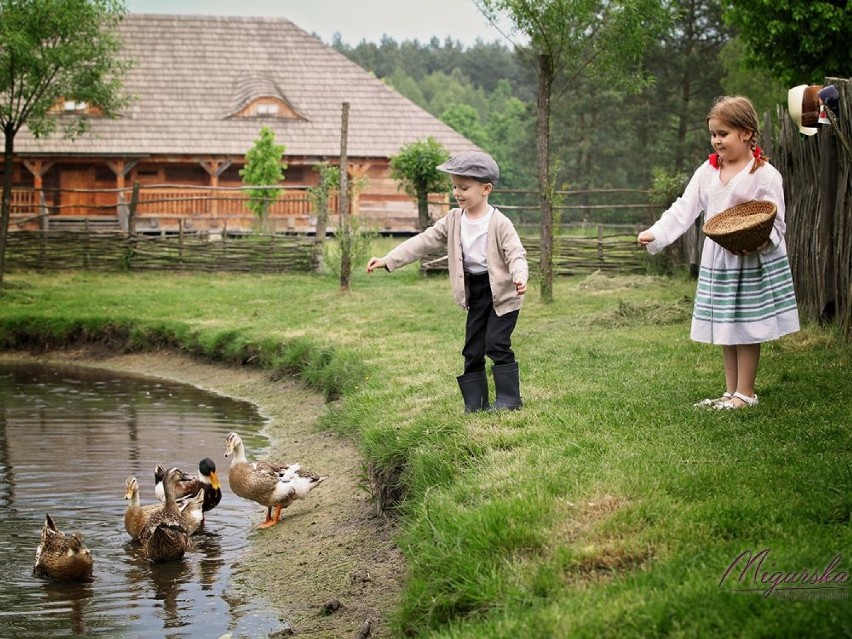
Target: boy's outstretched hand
x=374, y=263
x=521, y=287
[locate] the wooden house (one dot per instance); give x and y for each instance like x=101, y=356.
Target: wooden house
x=202, y=87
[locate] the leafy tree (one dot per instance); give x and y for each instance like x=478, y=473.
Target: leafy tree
x=264, y=168
x=765, y=90
x=688, y=70
x=799, y=42
x=489, y=77
x=464, y=119
x=320, y=196
x=443, y=90
x=567, y=40
x=414, y=166
x=407, y=86
x=52, y=51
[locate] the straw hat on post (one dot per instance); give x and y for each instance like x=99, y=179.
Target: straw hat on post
x=803, y=105
x=744, y=227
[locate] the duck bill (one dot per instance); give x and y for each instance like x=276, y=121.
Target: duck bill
x=214, y=480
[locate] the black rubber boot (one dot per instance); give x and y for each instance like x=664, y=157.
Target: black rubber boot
x=508, y=384
x=474, y=389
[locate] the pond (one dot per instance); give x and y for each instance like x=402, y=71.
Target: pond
x=69, y=436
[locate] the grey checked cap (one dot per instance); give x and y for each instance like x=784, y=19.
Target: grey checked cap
x=472, y=164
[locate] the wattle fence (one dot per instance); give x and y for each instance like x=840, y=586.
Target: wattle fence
x=117, y=251
x=817, y=174
x=584, y=248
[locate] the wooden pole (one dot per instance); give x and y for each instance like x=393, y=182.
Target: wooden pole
x=131, y=212
x=343, y=204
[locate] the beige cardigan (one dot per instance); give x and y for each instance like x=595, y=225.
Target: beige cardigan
x=506, y=257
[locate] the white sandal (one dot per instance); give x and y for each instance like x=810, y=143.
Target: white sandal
x=712, y=402
x=728, y=404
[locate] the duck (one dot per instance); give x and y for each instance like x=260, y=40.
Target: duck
x=165, y=537
x=136, y=516
x=62, y=557
x=206, y=479
x=268, y=483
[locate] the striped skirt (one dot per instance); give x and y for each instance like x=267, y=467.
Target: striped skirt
x=744, y=300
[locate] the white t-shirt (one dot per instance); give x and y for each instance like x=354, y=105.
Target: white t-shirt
x=474, y=233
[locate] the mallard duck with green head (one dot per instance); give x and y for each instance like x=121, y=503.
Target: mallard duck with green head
x=206, y=480
x=62, y=557
x=268, y=483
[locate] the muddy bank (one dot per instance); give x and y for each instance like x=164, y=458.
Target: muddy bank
x=330, y=566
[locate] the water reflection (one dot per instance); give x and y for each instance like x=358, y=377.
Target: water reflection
x=68, y=439
x=69, y=599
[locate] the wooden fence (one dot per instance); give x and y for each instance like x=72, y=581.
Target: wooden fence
x=610, y=248
x=115, y=251
x=159, y=208
x=818, y=195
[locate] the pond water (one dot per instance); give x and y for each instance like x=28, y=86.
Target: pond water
x=69, y=436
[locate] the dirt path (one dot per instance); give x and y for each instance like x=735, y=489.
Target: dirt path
x=330, y=566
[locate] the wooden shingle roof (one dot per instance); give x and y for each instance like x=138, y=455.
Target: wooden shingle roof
x=192, y=73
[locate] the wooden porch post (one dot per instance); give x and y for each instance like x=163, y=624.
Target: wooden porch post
x=215, y=168
x=39, y=169
x=121, y=168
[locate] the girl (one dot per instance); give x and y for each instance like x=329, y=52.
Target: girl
x=743, y=299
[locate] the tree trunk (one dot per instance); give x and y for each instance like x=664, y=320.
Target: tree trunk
x=343, y=208
x=6, y=207
x=683, y=120
x=423, y=221
x=545, y=84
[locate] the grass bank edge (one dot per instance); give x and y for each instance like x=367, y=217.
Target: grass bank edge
x=322, y=367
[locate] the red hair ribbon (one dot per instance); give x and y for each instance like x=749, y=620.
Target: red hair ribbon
x=713, y=158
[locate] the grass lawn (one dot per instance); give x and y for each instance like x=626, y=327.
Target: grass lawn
x=607, y=507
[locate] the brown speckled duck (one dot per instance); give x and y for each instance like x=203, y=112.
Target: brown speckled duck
x=268, y=483
x=164, y=537
x=136, y=516
x=60, y=556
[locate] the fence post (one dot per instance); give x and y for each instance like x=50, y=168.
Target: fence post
x=130, y=252
x=42, y=205
x=225, y=240
x=45, y=225
x=768, y=142
x=86, y=259
x=180, y=241
x=600, y=243
x=343, y=204
x=131, y=212
x=121, y=212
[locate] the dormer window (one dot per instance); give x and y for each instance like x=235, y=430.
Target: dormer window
x=71, y=106
x=259, y=96
x=267, y=109
x=74, y=107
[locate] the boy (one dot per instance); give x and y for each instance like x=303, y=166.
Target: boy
x=488, y=276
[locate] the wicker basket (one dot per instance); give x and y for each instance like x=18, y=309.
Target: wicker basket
x=744, y=227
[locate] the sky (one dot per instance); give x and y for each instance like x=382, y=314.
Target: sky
x=354, y=20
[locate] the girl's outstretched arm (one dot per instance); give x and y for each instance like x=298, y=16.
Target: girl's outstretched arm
x=645, y=238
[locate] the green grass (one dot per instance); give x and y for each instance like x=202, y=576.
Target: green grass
x=607, y=507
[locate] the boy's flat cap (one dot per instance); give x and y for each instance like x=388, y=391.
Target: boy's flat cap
x=472, y=164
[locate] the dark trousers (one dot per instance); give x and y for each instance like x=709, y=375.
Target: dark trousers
x=485, y=332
